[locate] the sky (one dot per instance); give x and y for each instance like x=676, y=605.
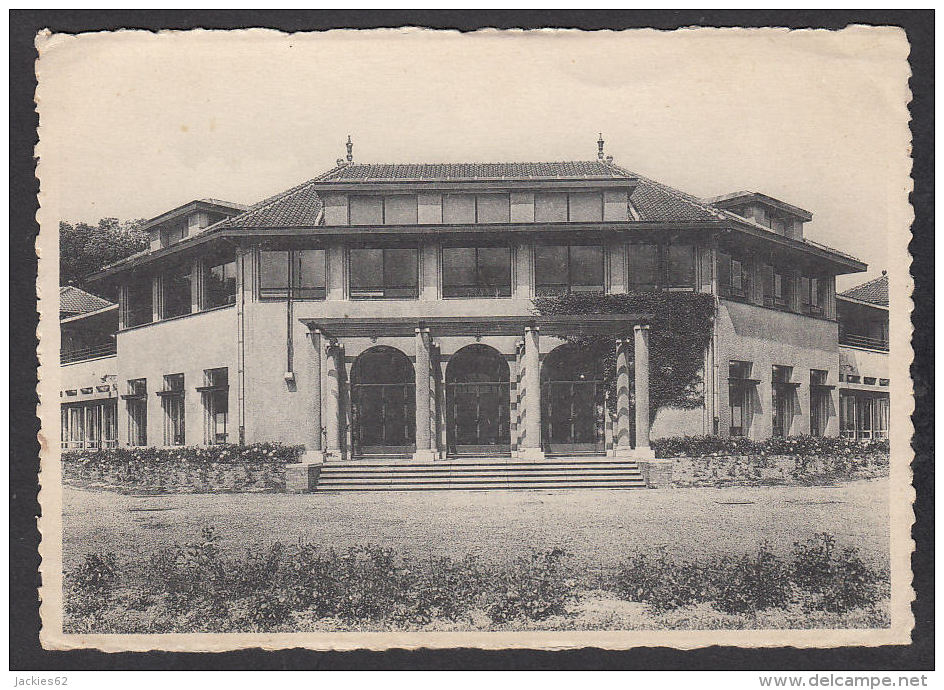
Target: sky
x=134, y=123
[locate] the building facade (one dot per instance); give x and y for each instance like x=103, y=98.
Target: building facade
x=863, y=364
x=387, y=311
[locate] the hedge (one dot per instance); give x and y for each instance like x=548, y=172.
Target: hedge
x=800, y=446
x=226, y=454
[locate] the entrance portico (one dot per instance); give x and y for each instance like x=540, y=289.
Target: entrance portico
x=478, y=387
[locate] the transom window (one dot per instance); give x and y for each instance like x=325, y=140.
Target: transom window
x=559, y=270
x=384, y=273
x=476, y=271
x=300, y=273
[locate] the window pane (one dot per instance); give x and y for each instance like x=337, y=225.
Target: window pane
x=273, y=272
x=550, y=207
x=140, y=298
x=494, y=264
x=643, y=265
x=400, y=274
x=493, y=208
x=177, y=292
x=220, y=284
x=586, y=267
x=367, y=272
x=400, y=209
x=458, y=266
x=366, y=210
x=310, y=274
x=681, y=265
x=586, y=206
x=550, y=269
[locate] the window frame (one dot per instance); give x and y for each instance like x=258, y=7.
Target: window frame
x=361, y=293
x=229, y=300
x=569, y=286
x=175, y=413
x=214, y=390
x=504, y=292
x=170, y=280
x=293, y=289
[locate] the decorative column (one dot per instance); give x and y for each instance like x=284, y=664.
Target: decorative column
x=424, y=447
x=531, y=444
x=621, y=434
x=641, y=356
x=332, y=401
x=313, y=446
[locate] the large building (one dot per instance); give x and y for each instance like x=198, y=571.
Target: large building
x=386, y=311
x=863, y=360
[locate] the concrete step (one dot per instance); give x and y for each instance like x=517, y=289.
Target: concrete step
x=489, y=479
x=440, y=467
x=522, y=486
x=482, y=473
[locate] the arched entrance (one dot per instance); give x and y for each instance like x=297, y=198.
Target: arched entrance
x=383, y=412
x=477, y=402
x=572, y=399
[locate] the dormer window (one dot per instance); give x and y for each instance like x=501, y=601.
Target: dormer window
x=175, y=233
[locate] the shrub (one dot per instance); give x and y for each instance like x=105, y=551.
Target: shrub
x=834, y=580
x=533, y=587
x=748, y=584
x=800, y=446
x=90, y=590
x=819, y=577
x=663, y=584
x=113, y=459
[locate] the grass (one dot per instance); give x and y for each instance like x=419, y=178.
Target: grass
x=599, y=528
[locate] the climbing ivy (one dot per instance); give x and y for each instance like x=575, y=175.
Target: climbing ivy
x=681, y=328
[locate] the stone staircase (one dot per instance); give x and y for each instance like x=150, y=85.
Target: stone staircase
x=481, y=475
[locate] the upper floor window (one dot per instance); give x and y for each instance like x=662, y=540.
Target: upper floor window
x=559, y=270
x=654, y=266
x=139, y=308
x=733, y=276
x=384, y=273
x=175, y=233
x=778, y=287
x=476, y=271
x=644, y=264
x=300, y=272
x=392, y=209
x=219, y=287
x=177, y=291
x=812, y=294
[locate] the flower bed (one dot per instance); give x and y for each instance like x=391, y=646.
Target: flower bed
x=259, y=467
x=717, y=461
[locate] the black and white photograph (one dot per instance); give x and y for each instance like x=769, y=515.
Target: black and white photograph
x=504, y=339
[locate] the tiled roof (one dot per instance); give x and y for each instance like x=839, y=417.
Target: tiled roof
x=73, y=300
x=875, y=291
x=359, y=172
x=300, y=206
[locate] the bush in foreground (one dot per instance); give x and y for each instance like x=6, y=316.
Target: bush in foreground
x=196, y=587
x=818, y=577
